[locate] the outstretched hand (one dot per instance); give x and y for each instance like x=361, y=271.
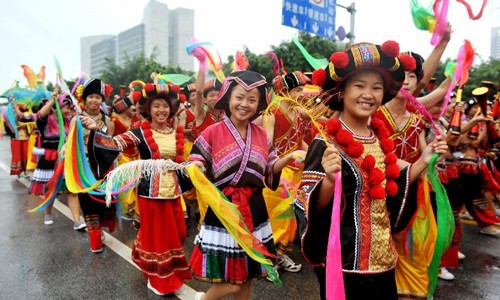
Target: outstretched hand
x=88, y=123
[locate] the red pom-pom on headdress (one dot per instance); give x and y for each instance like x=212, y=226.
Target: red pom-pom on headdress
x=408, y=62
x=333, y=126
x=340, y=59
x=182, y=98
x=390, y=48
x=319, y=77
x=149, y=88
x=175, y=88
x=136, y=96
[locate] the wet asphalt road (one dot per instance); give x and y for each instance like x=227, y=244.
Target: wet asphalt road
x=54, y=262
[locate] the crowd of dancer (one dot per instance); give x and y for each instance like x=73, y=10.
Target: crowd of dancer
x=274, y=148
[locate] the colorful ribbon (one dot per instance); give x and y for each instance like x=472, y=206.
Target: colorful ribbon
x=232, y=220
x=334, y=275
x=445, y=224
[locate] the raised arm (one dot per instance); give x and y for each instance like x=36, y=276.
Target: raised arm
x=432, y=62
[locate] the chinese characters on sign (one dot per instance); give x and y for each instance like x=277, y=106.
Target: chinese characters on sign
x=313, y=16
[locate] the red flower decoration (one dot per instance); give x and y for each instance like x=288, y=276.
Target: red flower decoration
x=344, y=137
x=391, y=158
x=319, y=77
x=390, y=48
x=355, y=149
x=391, y=188
x=408, y=62
x=377, y=192
x=333, y=126
x=340, y=59
x=376, y=177
x=387, y=145
x=392, y=171
x=368, y=163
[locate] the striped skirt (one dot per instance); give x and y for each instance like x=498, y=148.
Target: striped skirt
x=217, y=257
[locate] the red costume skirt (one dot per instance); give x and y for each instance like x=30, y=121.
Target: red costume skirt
x=158, y=247
x=19, y=150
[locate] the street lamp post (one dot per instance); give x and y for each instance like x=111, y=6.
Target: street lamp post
x=352, y=10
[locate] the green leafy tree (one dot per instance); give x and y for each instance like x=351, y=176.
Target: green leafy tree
x=139, y=67
x=293, y=59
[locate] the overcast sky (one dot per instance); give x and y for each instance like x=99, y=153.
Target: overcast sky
x=33, y=32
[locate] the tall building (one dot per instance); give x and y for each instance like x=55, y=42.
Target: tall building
x=85, y=49
x=163, y=33
x=495, y=42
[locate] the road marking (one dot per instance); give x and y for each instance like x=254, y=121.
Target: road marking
x=184, y=293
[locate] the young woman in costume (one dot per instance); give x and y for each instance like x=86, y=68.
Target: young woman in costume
x=407, y=130
x=375, y=185
x=49, y=131
x=95, y=211
x=237, y=157
x=157, y=248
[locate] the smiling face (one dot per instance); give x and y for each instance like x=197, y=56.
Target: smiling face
x=159, y=111
x=243, y=104
x=363, y=94
x=93, y=103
